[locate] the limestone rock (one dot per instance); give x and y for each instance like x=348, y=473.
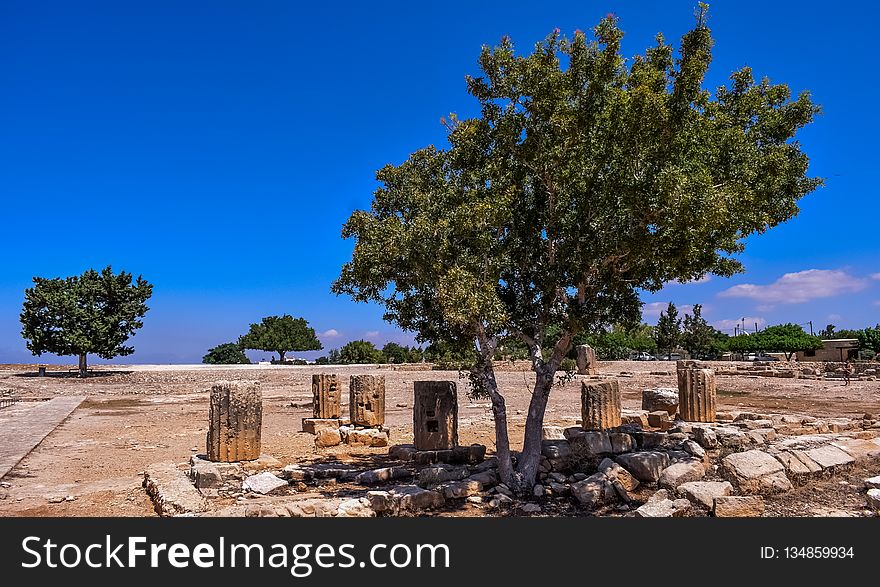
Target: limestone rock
x=751, y=506
x=355, y=508
x=645, y=466
x=461, y=489
x=703, y=493
x=661, y=398
x=660, y=506
x=171, y=491
x=705, y=437
x=755, y=471
x=681, y=472
x=593, y=491
x=873, y=499
x=326, y=437
x=552, y=433
x=263, y=483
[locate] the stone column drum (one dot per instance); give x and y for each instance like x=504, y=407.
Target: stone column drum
x=325, y=395
x=586, y=360
x=435, y=415
x=367, y=400
x=235, y=420
x=696, y=395
x=600, y=405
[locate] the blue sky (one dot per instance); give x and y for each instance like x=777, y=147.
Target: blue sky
x=217, y=148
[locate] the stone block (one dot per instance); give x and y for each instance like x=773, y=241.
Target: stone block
x=751, y=506
x=367, y=400
x=755, y=471
x=586, y=360
x=600, y=405
x=326, y=395
x=661, y=398
x=435, y=415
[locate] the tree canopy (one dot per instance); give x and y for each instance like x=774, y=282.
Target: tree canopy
x=698, y=338
x=668, y=331
x=93, y=313
x=359, y=352
x=229, y=353
x=784, y=338
x=281, y=334
x=585, y=178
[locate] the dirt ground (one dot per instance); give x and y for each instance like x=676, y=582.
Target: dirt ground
x=137, y=415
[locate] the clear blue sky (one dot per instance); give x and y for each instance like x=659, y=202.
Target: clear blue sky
x=216, y=148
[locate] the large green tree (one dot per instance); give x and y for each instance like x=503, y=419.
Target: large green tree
x=229, y=353
x=783, y=338
x=281, y=334
x=585, y=178
x=93, y=313
x=668, y=330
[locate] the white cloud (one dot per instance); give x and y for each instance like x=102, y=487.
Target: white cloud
x=371, y=334
x=875, y=276
x=765, y=308
x=704, y=279
x=834, y=317
x=750, y=321
x=795, y=288
x=332, y=333
x=653, y=309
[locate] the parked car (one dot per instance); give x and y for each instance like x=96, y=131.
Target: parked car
x=764, y=358
x=672, y=357
x=642, y=357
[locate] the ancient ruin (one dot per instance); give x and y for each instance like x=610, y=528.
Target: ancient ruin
x=586, y=360
x=367, y=400
x=696, y=394
x=326, y=396
x=235, y=421
x=600, y=405
x=435, y=415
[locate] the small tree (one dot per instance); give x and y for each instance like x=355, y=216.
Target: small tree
x=360, y=352
x=827, y=332
x=94, y=313
x=281, y=334
x=697, y=337
x=229, y=353
x=869, y=338
x=586, y=178
x=668, y=331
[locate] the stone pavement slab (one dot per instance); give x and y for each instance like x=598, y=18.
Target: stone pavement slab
x=24, y=425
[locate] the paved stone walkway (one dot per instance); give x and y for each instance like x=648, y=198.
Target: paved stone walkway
x=24, y=425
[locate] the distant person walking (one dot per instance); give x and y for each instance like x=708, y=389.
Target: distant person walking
x=848, y=371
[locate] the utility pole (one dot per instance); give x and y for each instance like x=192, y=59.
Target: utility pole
x=756, y=328
x=811, y=328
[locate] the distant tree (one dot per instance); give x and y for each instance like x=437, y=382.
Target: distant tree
x=322, y=361
x=697, y=337
x=847, y=333
x=395, y=353
x=869, y=338
x=281, y=334
x=585, y=177
x=229, y=353
x=720, y=344
x=93, y=313
x=827, y=332
x=415, y=355
x=360, y=352
x=785, y=338
x=333, y=357
x=668, y=330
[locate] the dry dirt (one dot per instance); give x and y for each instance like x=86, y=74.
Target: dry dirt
x=137, y=415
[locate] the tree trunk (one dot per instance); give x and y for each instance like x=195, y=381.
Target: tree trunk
x=83, y=365
x=281, y=356
x=530, y=458
x=502, y=440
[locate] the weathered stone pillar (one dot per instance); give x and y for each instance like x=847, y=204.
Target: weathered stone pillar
x=325, y=395
x=696, y=395
x=235, y=420
x=435, y=415
x=367, y=400
x=586, y=360
x=600, y=405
